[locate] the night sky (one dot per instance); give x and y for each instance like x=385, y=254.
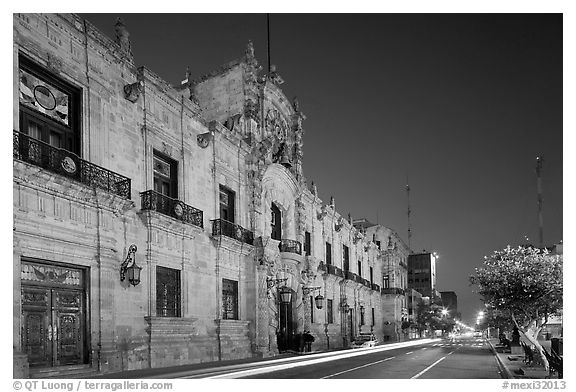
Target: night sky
x=460, y=104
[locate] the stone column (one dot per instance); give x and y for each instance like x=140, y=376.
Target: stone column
x=262, y=316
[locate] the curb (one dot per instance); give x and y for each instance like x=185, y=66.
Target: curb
x=504, y=371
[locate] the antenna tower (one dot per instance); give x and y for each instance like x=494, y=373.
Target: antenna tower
x=408, y=213
x=539, y=188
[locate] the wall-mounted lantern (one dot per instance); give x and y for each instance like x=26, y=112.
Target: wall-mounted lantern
x=285, y=295
x=319, y=299
x=129, y=269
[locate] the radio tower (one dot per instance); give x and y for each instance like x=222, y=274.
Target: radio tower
x=408, y=213
x=539, y=187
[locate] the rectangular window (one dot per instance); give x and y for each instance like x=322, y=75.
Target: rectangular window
x=307, y=244
x=386, y=282
x=167, y=292
x=49, y=107
x=229, y=299
x=312, y=309
x=165, y=175
x=328, y=253
x=373, y=317
x=329, y=309
x=227, y=197
x=362, y=315
x=371, y=275
x=346, y=258
x=378, y=244
x=360, y=268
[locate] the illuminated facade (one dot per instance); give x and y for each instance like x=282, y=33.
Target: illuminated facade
x=204, y=179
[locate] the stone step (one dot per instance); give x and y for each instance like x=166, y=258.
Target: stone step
x=72, y=371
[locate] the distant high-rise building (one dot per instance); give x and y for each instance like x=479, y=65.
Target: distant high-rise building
x=422, y=274
x=450, y=302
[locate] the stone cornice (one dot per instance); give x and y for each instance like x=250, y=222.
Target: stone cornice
x=36, y=178
x=232, y=244
x=159, y=221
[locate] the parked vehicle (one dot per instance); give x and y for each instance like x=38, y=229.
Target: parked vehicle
x=365, y=341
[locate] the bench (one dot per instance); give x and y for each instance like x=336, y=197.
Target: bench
x=555, y=363
x=528, y=353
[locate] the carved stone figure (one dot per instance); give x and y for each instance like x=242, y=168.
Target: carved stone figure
x=123, y=37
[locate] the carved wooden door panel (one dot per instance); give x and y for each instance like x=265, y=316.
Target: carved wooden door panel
x=53, y=330
x=67, y=321
x=36, y=326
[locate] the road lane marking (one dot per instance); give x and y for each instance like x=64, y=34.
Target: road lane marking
x=358, y=367
x=409, y=352
x=317, y=358
x=431, y=366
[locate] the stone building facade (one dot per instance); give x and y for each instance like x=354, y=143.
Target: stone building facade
x=199, y=185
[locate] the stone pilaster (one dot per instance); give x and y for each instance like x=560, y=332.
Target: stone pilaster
x=262, y=316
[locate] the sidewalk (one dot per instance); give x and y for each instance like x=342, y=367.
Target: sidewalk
x=513, y=366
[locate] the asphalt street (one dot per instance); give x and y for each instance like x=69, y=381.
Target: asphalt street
x=459, y=358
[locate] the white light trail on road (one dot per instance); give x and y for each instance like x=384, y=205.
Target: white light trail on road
x=359, y=367
x=409, y=352
x=431, y=366
x=319, y=358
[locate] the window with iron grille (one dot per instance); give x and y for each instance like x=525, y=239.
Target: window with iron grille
x=329, y=314
x=167, y=292
x=386, y=282
x=229, y=299
x=307, y=244
x=346, y=257
x=328, y=253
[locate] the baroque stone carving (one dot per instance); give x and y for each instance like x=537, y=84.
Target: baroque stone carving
x=123, y=37
x=132, y=91
x=323, y=212
x=338, y=225
x=276, y=125
x=251, y=109
x=54, y=63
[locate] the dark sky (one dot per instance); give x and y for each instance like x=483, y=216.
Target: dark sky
x=461, y=104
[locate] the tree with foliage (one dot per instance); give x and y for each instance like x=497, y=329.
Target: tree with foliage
x=430, y=316
x=524, y=283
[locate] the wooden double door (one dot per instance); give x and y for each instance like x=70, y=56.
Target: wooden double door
x=53, y=325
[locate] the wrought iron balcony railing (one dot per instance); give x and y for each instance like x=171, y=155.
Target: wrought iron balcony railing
x=366, y=283
x=336, y=271
x=290, y=246
x=375, y=287
x=155, y=201
x=66, y=163
x=232, y=230
x=392, y=290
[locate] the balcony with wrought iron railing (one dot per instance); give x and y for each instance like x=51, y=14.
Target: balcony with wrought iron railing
x=375, y=287
x=232, y=230
x=392, y=290
x=290, y=246
x=155, y=201
x=66, y=163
